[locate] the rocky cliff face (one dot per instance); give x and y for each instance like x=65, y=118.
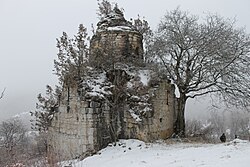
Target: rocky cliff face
x=122, y=101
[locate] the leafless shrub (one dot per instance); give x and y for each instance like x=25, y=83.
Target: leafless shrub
x=239, y=125
x=199, y=131
x=13, y=141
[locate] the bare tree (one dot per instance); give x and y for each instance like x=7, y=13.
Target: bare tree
x=13, y=137
x=239, y=125
x=218, y=122
x=199, y=130
x=2, y=94
x=202, y=57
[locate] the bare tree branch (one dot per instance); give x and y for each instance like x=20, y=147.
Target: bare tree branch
x=2, y=94
x=13, y=137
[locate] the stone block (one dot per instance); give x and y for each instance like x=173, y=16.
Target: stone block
x=85, y=104
x=90, y=131
x=89, y=117
x=91, y=139
x=94, y=104
x=88, y=110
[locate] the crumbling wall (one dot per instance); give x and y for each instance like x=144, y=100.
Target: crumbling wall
x=84, y=126
x=123, y=44
x=158, y=123
x=79, y=128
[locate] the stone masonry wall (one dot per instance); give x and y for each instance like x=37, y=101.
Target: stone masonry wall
x=77, y=132
x=124, y=45
x=84, y=128
x=160, y=122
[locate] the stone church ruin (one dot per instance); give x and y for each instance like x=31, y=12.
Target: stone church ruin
x=118, y=98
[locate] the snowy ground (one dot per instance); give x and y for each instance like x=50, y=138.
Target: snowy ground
x=134, y=153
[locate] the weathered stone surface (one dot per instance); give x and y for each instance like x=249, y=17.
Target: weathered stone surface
x=116, y=38
x=82, y=130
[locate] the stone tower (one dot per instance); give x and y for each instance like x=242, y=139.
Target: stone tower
x=123, y=101
x=116, y=40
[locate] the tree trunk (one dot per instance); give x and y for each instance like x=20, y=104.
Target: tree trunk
x=179, y=127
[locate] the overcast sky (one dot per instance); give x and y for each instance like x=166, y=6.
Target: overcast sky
x=29, y=28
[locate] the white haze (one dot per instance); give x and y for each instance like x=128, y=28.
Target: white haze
x=29, y=28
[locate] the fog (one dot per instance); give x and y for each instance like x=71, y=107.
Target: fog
x=29, y=28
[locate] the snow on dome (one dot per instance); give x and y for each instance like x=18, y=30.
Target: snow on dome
x=119, y=28
x=114, y=21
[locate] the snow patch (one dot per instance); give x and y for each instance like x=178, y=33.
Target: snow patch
x=129, y=85
x=135, y=116
x=119, y=28
x=237, y=141
x=146, y=109
x=97, y=86
x=176, y=92
x=145, y=76
x=135, y=98
x=139, y=154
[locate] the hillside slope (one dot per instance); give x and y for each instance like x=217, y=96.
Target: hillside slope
x=134, y=153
